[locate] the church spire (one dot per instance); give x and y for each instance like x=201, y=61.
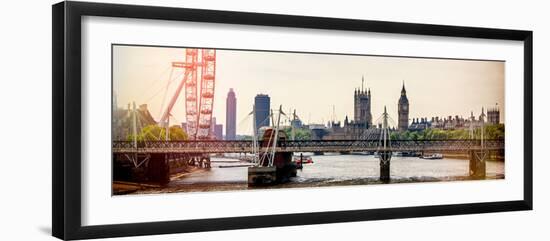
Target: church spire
x=362, y=83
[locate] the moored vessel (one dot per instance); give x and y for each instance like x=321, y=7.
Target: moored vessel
x=272, y=167
x=432, y=156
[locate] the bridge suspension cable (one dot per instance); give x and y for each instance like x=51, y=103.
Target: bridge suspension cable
x=375, y=134
x=271, y=144
x=163, y=87
x=257, y=160
x=385, y=137
x=150, y=85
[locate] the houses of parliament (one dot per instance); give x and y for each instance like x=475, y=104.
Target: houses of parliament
x=362, y=123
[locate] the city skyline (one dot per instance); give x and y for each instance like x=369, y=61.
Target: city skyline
x=316, y=84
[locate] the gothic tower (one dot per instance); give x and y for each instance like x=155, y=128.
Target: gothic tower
x=493, y=115
x=362, y=106
x=403, y=110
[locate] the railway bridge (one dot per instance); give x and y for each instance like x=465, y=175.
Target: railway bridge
x=198, y=151
x=220, y=147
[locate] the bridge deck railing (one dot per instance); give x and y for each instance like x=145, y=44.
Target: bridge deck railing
x=215, y=146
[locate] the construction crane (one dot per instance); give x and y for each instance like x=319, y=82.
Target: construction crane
x=199, y=103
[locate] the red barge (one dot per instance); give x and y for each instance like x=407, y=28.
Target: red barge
x=268, y=172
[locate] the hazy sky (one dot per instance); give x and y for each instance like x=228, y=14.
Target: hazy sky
x=314, y=83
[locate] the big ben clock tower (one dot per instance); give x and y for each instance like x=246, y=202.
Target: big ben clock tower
x=403, y=110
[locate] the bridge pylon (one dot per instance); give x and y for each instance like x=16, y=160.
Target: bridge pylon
x=384, y=149
x=477, y=169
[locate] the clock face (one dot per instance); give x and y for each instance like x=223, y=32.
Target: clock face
x=405, y=108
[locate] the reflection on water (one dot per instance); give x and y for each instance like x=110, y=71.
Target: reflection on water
x=332, y=169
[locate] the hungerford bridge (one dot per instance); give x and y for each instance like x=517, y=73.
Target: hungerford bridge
x=215, y=147
x=160, y=156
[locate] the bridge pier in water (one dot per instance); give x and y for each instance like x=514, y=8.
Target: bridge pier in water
x=205, y=163
x=385, y=157
x=200, y=161
x=158, y=170
x=156, y=167
x=477, y=169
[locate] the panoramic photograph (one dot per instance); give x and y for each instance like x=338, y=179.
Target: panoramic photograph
x=210, y=120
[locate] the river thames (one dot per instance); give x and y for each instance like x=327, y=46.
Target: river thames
x=328, y=170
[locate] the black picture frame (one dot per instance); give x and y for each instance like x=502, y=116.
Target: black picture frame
x=66, y=127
